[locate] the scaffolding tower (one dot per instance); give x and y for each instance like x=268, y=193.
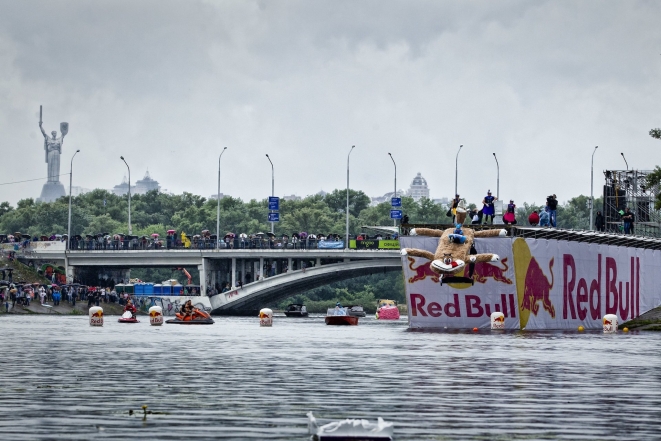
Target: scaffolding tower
x=629, y=188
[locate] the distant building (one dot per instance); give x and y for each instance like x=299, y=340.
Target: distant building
x=418, y=188
x=146, y=184
x=141, y=187
x=292, y=198
x=123, y=188
x=213, y=197
x=321, y=193
x=386, y=197
x=77, y=191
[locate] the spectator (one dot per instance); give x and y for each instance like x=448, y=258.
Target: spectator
x=477, y=218
x=544, y=217
x=533, y=219
x=455, y=204
x=552, y=203
x=599, y=221
x=488, y=209
x=510, y=215
x=628, y=219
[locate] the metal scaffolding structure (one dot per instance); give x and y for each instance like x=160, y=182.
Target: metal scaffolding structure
x=629, y=188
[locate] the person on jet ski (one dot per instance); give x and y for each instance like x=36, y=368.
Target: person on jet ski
x=130, y=307
x=187, y=310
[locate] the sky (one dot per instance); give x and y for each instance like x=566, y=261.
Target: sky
x=168, y=84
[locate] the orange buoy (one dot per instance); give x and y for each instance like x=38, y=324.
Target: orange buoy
x=474, y=329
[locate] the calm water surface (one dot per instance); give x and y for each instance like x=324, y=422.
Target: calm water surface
x=234, y=380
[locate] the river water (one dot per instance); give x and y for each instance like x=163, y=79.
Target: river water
x=234, y=380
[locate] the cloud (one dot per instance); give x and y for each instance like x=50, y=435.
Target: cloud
x=168, y=84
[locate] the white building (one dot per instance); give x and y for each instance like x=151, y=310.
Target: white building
x=418, y=188
x=142, y=186
x=386, y=197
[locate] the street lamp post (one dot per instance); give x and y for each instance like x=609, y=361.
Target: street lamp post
x=70, y=182
x=395, y=193
x=129, y=168
x=592, y=186
x=456, y=168
x=346, y=243
x=625, y=161
x=497, y=177
x=218, y=197
x=272, y=185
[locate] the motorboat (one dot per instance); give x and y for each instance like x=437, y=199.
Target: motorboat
x=198, y=318
x=355, y=311
x=350, y=429
x=387, y=310
x=296, y=310
x=127, y=317
x=339, y=317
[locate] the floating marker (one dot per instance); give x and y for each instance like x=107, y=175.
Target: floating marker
x=265, y=317
x=96, y=316
x=156, y=316
x=497, y=320
x=610, y=323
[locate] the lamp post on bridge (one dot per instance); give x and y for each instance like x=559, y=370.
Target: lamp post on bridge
x=497, y=177
x=218, y=208
x=625, y=161
x=456, y=169
x=346, y=243
x=592, y=187
x=272, y=185
x=394, y=221
x=127, y=166
x=70, y=183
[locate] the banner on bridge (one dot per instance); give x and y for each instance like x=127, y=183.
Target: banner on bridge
x=537, y=284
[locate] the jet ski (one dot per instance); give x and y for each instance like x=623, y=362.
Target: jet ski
x=127, y=317
x=199, y=318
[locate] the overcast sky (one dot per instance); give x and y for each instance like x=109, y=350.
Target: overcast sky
x=167, y=84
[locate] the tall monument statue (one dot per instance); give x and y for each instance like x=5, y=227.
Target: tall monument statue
x=53, y=188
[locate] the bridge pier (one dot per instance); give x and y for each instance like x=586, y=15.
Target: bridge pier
x=203, y=277
x=233, y=273
x=289, y=265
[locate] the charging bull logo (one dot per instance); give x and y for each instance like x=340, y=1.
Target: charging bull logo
x=482, y=272
x=97, y=314
x=532, y=285
x=499, y=319
x=422, y=271
x=155, y=313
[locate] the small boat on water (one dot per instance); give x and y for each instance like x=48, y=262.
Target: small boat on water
x=356, y=311
x=199, y=318
x=387, y=310
x=296, y=310
x=338, y=316
x=127, y=317
x=350, y=429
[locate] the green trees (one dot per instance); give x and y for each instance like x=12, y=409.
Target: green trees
x=655, y=133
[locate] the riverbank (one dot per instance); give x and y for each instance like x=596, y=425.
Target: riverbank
x=649, y=321
x=63, y=308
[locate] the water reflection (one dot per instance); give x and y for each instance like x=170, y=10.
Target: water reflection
x=235, y=380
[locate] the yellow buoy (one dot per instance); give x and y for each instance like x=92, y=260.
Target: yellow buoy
x=625, y=329
x=581, y=329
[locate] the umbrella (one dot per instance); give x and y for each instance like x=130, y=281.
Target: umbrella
x=58, y=236
x=205, y=231
x=259, y=234
x=155, y=235
x=312, y=236
x=294, y=235
x=243, y=236
x=172, y=231
x=54, y=285
x=303, y=234
x=270, y=234
x=230, y=235
x=197, y=236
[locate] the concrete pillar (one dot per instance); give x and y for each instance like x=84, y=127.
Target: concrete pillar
x=261, y=268
x=233, y=272
x=318, y=264
x=203, y=277
x=290, y=268
x=243, y=271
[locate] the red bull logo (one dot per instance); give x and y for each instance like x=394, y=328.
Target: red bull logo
x=532, y=286
x=499, y=319
x=155, y=313
x=422, y=271
x=484, y=271
x=97, y=314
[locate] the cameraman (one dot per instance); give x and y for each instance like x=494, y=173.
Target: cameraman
x=552, y=203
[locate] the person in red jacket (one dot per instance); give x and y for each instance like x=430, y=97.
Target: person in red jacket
x=533, y=219
x=130, y=307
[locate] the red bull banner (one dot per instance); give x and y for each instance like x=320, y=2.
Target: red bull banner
x=536, y=284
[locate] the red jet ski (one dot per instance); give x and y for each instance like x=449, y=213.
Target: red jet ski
x=128, y=317
x=199, y=318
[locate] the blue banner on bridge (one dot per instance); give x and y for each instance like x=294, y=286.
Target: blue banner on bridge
x=335, y=245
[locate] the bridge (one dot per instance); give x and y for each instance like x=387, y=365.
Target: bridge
x=256, y=276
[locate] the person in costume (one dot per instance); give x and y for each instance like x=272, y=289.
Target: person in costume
x=510, y=215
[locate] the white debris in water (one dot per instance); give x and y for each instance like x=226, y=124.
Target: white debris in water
x=350, y=428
